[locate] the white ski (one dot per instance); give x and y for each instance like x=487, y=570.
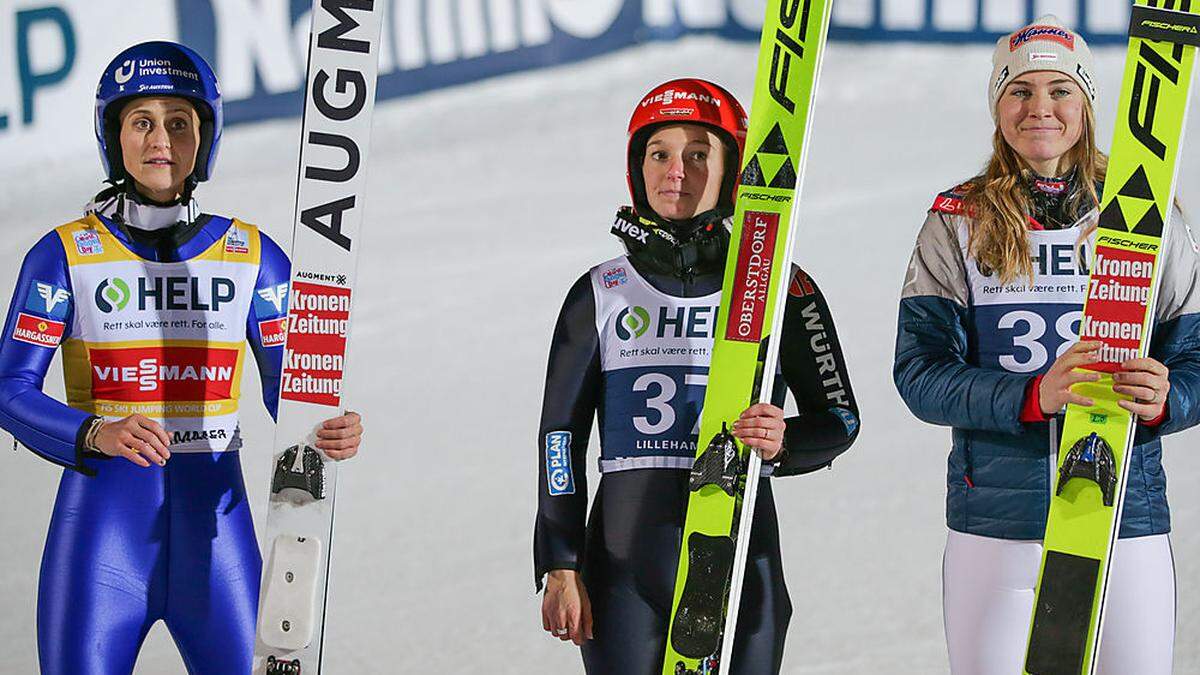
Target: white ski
x=338, y=103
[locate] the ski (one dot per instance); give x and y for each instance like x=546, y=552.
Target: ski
x=712, y=560
x=335, y=137
x=1088, y=487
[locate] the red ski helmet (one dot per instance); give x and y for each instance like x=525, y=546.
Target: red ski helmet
x=687, y=101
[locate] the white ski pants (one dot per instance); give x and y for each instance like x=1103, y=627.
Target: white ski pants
x=987, y=601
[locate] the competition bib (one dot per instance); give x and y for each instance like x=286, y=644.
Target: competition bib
x=654, y=353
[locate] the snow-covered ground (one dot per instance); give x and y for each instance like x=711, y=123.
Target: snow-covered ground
x=485, y=203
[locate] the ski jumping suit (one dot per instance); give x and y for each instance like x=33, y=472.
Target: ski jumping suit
x=152, y=322
x=969, y=354
x=632, y=348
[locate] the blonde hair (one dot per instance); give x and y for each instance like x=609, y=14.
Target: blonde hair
x=999, y=205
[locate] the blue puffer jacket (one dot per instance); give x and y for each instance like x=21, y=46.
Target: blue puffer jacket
x=967, y=348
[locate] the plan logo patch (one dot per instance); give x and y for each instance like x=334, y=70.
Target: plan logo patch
x=615, y=277
x=847, y=418
x=38, y=331
x=273, y=331
x=559, y=478
x=237, y=241
x=48, y=300
x=87, y=242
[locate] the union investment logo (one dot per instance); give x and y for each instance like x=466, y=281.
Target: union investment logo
x=632, y=322
x=112, y=294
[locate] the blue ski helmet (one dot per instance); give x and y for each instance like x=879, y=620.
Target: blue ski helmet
x=158, y=69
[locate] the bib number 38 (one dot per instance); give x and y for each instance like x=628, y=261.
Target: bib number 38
x=1032, y=339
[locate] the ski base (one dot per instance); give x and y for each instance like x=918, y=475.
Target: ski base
x=285, y=619
x=1058, y=641
x=696, y=631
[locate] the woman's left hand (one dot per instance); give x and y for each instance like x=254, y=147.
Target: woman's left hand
x=339, y=437
x=1146, y=381
x=761, y=426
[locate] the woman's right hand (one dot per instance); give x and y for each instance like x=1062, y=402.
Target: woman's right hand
x=139, y=439
x=566, y=610
x=1054, y=392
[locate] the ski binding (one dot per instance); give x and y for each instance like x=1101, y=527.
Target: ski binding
x=281, y=667
x=720, y=464
x=300, y=468
x=1092, y=458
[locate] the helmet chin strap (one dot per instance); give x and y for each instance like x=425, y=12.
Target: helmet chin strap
x=686, y=228
x=121, y=200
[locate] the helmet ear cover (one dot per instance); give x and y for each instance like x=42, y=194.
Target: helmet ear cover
x=637, y=155
x=112, y=137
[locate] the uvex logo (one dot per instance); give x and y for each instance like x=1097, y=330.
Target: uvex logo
x=787, y=47
x=639, y=233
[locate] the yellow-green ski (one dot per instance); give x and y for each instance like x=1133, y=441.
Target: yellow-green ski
x=1089, y=484
x=713, y=556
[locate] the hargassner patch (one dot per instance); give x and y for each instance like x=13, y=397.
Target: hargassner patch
x=273, y=331
x=38, y=331
x=46, y=299
x=559, y=478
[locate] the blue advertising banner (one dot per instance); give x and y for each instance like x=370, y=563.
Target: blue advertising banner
x=430, y=44
x=51, y=51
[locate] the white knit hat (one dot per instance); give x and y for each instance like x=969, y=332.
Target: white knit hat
x=1046, y=44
